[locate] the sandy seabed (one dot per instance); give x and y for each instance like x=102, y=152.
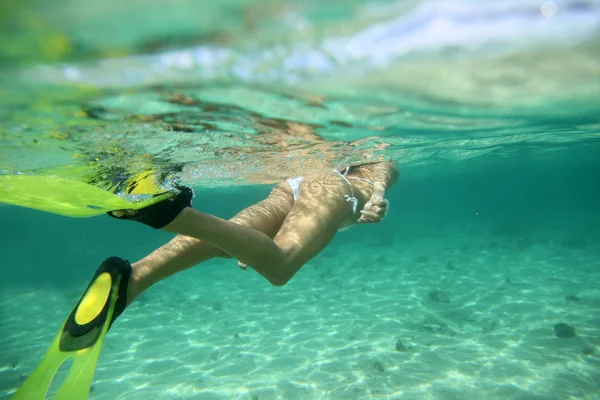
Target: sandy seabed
x=421, y=315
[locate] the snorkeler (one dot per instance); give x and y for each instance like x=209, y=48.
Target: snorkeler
x=275, y=237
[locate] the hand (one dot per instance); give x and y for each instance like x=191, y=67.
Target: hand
x=374, y=211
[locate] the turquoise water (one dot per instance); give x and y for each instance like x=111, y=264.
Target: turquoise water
x=489, y=111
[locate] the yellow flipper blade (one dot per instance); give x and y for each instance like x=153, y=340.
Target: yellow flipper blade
x=66, y=197
x=80, y=338
x=76, y=385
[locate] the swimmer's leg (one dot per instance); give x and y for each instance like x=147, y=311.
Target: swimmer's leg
x=184, y=252
x=310, y=225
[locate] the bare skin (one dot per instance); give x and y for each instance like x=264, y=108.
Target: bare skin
x=276, y=236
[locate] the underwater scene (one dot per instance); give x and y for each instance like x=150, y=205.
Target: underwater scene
x=459, y=141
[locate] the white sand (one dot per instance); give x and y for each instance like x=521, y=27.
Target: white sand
x=216, y=332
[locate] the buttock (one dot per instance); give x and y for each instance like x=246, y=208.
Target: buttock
x=333, y=184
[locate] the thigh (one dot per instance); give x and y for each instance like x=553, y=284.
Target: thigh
x=314, y=219
x=265, y=216
x=268, y=215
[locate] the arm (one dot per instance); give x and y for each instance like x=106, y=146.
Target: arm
x=385, y=174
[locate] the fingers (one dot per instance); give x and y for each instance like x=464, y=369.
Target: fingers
x=369, y=217
x=379, y=202
x=375, y=210
x=380, y=210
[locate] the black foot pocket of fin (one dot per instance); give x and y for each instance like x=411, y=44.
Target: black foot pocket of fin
x=161, y=214
x=81, y=336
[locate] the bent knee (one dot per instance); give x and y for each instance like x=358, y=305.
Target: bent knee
x=278, y=280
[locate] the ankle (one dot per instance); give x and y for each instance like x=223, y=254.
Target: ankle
x=133, y=286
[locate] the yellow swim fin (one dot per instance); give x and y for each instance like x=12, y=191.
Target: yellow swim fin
x=81, y=336
x=72, y=198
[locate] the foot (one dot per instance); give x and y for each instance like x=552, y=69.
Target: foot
x=160, y=214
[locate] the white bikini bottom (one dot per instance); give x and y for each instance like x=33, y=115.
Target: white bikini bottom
x=295, y=185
